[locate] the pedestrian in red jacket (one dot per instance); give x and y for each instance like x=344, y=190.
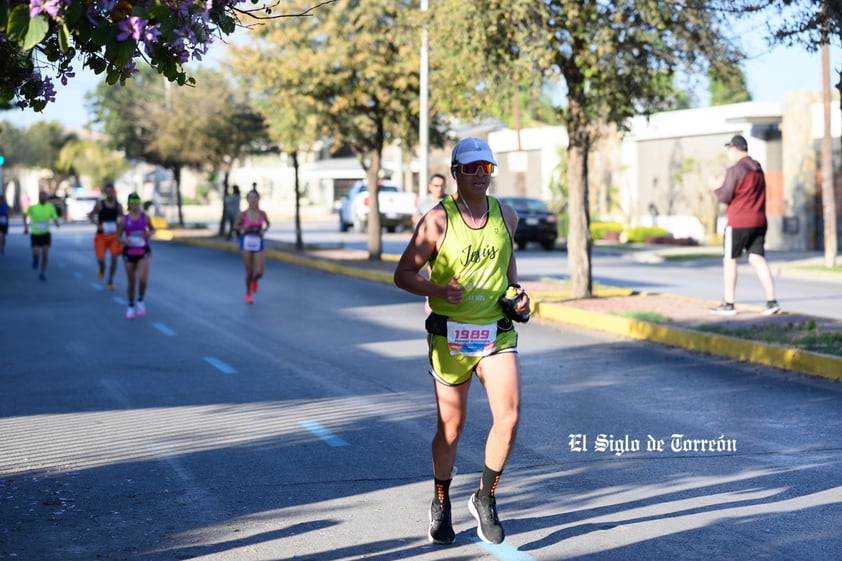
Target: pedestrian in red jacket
x=744, y=191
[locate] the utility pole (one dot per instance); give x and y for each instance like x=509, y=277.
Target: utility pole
x=828, y=195
x=424, y=110
x=520, y=169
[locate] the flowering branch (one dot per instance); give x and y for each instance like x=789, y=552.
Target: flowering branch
x=108, y=36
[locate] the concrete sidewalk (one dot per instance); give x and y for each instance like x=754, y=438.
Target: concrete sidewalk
x=612, y=311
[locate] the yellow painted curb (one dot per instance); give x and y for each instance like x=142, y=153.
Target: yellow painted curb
x=825, y=366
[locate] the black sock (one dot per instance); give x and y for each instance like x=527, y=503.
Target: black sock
x=442, y=490
x=140, y=298
x=131, y=303
x=488, y=482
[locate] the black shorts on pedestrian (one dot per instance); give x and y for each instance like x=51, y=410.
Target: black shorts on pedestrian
x=738, y=240
x=40, y=240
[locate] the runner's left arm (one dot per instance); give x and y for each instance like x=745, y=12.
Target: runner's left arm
x=511, y=218
x=266, y=223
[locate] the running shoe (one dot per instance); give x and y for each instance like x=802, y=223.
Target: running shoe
x=484, y=510
x=441, y=529
x=772, y=308
x=254, y=286
x=724, y=309
x=130, y=313
x=249, y=299
x=100, y=274
x=110, y=286
x=42, y=277
x=141, y=309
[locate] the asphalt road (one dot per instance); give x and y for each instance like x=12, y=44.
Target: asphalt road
x=299, y=428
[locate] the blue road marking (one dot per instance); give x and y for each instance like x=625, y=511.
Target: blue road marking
x=503, y=551
x=121, y=301
x=77, y=274
x=164, y=329
x=96, y=286
x=324, y=434
x=219, y=365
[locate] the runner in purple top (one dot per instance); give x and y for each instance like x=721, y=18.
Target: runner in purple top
x=134, y=231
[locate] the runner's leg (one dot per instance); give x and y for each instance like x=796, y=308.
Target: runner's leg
x=143, y=276
x=499, y=375
x=452, y=408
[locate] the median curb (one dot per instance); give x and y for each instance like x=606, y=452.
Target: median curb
x=756, y=352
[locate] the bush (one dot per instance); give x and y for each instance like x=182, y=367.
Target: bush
x=600, y=229
x=669, y=240
x=644, y=233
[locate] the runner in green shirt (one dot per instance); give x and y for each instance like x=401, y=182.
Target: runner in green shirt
x=40, y=215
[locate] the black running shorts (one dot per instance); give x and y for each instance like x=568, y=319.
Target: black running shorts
x=738, y=240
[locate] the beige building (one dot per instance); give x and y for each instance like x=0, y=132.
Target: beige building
x=662, y=170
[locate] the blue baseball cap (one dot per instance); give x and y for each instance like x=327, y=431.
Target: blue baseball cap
x=470, y=150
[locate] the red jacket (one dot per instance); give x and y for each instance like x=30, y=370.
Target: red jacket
x=744, y=191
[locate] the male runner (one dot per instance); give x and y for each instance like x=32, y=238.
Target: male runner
x=467, y=241
x=106, y=215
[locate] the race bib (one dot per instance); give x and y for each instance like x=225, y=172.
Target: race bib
x=251, y=242
x=109, y=227
x=469, y=339
x=136, y=240
x=41, y=225
x=4, y=220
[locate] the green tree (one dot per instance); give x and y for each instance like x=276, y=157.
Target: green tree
x=485, y=53
x=206, y=126
x=350, y=72
x=731, y=88
x=92, y=159
x=618, y=59
x=37, y=146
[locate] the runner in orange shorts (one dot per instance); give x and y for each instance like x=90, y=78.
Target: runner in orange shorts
x=106, y=215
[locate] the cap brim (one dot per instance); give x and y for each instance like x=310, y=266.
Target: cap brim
x=477, y=156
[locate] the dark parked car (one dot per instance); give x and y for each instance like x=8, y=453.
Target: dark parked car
x=537, y=222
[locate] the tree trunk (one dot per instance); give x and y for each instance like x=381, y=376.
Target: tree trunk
x=176, y=171
x=223, y=221
x=375, y=236
x=299, y=242
x=579, y=241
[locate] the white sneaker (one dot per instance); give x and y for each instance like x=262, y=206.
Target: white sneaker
x=141, y=309
x=130, y=313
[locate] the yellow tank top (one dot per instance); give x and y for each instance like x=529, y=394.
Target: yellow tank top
x=481, y=259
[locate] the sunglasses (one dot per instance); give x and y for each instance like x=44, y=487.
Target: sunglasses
x=474, y=167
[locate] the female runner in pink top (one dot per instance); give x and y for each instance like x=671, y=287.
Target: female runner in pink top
x=252, y=223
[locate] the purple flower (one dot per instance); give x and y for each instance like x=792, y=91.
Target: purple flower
x=47, y=90
x=49, y=6
x=151, y=33
x=65, y=74
x=131, y=27
x=130, y=67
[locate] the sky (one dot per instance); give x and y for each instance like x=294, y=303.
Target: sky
x=770, y=74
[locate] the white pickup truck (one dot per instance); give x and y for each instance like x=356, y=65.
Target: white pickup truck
x=396, y=207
